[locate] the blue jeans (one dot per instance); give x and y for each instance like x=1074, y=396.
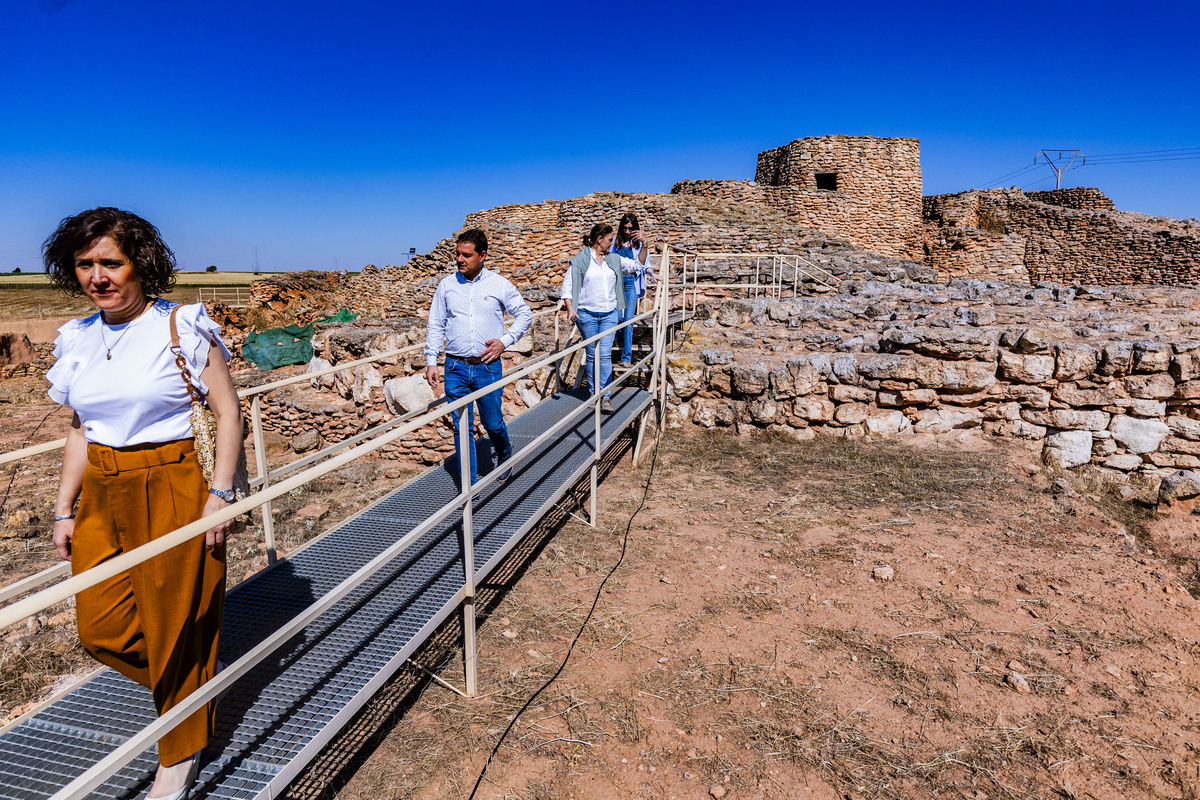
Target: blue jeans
x=631, y=300
x=462, y=379
x=590, y=323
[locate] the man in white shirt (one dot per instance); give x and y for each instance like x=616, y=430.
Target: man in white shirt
x=467, y=312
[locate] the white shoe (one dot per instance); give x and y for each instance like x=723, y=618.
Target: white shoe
x=182, y=793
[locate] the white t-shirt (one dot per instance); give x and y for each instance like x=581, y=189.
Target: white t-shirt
x=137, y=396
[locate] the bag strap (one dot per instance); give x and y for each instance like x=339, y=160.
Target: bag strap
x=181, y=362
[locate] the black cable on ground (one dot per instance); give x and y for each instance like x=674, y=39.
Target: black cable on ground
x=586, y=620
x=17, y=467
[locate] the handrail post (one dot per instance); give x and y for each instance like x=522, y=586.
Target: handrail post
x=599, y=393
x=465, y=434
x=260, y=463
x=664, y=324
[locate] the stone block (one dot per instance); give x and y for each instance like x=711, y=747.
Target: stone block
x=1009, y=411
x=925, y=372
x=1151, y=357
x=1123, y=462
x=1073, y=395
x=851, y=413
x=316, y=364
x=1185, y=366
x=750, y=380
x=1188, y=390
x=1116, y=357
x=1025, y=369
x=1067, y=419
x=1158, y=386
x=943, y=343
x=366, y=378
x=851, y=394
x=943, y=420
x=1181, y=485
x=763, y=410
x=1184, y=427
x=1028, y=396
x=1068, y=449
x=685, y=376
x=968, y=376
x=1174, y=444
x=918, y=397
x=797, y=377
x=1138, y=435
x=888, y=423
x=1074, y=361
x=813, y=409
x=1145, y=408
x=715, y=357
x=1020, y=429
x=1034, y=340
x=402, y=395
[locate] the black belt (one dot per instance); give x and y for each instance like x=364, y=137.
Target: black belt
x=472, y=360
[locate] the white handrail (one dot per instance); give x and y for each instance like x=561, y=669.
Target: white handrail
x=95, y=775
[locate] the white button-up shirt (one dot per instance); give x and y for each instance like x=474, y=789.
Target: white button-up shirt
x=467, y=314
x=599, y=289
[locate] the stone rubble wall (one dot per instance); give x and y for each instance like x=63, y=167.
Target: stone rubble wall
x=330, y=408
x=532, y=243
x=1087, y=198
x=1092, y=385
x=1068, y=236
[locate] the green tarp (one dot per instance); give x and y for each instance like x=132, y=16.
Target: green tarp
x=279, y=347
x=342, y=316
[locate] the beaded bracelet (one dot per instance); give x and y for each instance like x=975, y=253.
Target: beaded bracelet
x=65, y=516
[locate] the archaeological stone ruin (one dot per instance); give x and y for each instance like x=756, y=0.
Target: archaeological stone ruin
x=1050, y=317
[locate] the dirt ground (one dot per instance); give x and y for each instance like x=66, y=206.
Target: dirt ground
x=829, y=619
x=832, y=619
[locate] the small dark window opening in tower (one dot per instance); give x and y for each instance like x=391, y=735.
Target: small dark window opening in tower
x=827, y=181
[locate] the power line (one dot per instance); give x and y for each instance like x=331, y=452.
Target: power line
x=1149, y=152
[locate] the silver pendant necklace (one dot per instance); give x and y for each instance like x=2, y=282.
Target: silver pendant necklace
x=108, y=350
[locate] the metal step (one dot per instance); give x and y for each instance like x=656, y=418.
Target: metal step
x=279, y=715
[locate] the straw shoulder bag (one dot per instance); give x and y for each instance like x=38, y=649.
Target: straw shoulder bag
x=204, y=425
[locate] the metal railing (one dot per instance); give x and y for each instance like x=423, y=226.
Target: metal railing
x=780, y=271
x=48, y=597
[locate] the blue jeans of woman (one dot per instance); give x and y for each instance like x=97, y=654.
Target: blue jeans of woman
x=590, y=323
x=462, y=379
x=631, y=300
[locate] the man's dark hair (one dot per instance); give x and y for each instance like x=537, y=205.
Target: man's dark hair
x=140, y=241
x=476, y=237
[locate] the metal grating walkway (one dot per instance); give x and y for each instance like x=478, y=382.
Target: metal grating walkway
x=279, y=715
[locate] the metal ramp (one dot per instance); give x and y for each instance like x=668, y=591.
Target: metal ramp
x=280, y=714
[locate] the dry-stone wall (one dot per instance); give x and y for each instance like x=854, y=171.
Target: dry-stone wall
x=1087, y=198
x=1067, y=235
x=333, y=407
x=1106, y=377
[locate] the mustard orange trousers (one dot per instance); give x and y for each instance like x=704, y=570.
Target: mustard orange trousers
x=158, y=623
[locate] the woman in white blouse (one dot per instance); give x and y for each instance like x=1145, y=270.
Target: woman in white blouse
x=593, y=292
x=130, y=462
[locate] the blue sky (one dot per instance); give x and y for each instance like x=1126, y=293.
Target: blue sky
x=340, y=134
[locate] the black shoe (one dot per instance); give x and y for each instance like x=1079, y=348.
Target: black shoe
x=606, y=406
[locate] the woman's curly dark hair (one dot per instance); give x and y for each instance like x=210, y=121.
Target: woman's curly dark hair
x=140, y=241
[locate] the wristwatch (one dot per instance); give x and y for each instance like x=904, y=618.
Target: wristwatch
x=228, y=495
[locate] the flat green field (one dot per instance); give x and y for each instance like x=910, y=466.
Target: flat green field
x=35, y=279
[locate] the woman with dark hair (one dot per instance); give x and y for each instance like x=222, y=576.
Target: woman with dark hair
x=130, y=461
x=631, y=243
x=594, y=301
